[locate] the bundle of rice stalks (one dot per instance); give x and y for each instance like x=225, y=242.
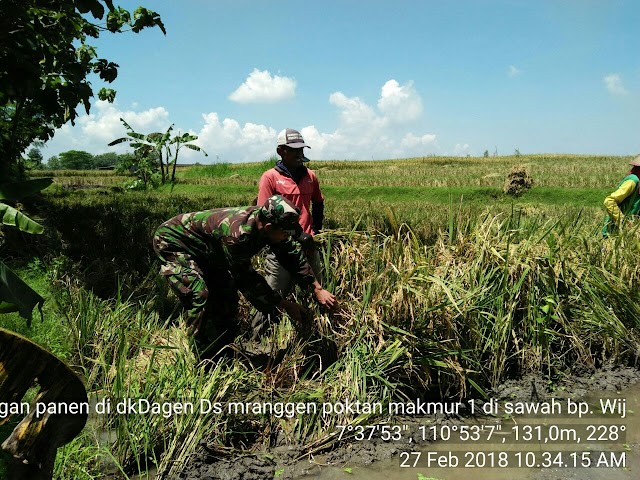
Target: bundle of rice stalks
x=518, y=181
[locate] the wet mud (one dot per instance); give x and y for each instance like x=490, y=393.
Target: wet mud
x=378, y=459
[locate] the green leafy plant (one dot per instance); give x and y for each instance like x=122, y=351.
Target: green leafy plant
x=422, y=477
x=155, y=152
x=15, y=294
x=47, y=63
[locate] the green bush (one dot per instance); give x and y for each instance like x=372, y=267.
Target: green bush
x=109, y=233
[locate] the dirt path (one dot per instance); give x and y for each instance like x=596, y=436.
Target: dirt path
x=379, y=459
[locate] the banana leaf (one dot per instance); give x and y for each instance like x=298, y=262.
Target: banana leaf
x=11, y=216
x=18, y=190
x=16, y=295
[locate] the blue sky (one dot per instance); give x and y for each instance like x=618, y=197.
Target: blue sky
x=376, y=79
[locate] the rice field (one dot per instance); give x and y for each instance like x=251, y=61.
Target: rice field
x=447, y=287
x=549, y=170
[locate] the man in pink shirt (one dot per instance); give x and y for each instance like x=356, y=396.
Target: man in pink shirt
x=291, y=179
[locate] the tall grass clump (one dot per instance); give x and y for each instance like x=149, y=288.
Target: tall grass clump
x=491, y=299
x=126, y=353
x=535, y=288
x=439, y=297
x=488, y=299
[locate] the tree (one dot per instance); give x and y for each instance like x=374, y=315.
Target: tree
x=54, y=163
x=34, y=159
x=176, y=143
x=125, y=161
x=45, y=62
x=102, y=160
x=76, y=160
x=147, y=155
x=144, y=167
x=157, y=150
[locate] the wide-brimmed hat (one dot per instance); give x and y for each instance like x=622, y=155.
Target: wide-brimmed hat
x=635, y=162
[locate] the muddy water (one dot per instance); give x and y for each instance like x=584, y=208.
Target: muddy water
x=578, y=441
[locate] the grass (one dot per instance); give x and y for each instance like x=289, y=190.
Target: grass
x=45, y=330
x=227, y=171
x=553, y=171
x=447, y=288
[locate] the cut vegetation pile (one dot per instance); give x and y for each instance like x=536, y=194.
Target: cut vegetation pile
x=518, y=181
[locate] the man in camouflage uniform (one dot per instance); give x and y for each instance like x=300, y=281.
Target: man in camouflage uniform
x=206, y=258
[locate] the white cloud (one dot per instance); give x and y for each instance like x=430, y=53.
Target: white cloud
x=319, y=142
x=613, y=81
x=354, y=112
x=390, y=128
x=411, y=141
x=94, y=132
x=461, y=149
x=261, y=87
x=365, y=132
x=513, y=71
x=400, y=103
x=228, y=141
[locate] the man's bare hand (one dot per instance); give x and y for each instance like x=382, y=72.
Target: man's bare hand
x=325, y=298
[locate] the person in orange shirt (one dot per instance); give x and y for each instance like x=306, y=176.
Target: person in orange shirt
x=291, y=179
x=625, y=201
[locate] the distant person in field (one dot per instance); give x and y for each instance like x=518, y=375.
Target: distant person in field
x=206, y=258
x=625, y=201
x=292, y=179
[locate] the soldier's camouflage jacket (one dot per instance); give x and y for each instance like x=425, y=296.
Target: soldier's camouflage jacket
x=227, y=238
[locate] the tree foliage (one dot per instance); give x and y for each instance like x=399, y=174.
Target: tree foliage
x=54, y=163
x=35, y=156
x=46, y=60
x=76, y=160
x=103, y=160
x=15, y=294
x=34, y=159
x=174, y=146
x=156, y=152
x=81, y=160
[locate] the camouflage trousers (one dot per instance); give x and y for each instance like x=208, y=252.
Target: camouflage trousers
x=281, y=281
x=209, y=297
